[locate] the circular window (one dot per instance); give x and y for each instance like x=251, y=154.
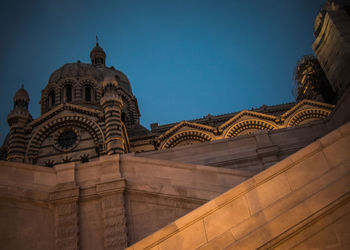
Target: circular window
x=67, y=139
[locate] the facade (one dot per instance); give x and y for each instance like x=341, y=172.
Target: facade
x=89, y=110
x=87, y=175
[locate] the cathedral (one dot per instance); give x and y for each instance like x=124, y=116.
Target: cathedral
x=86, y=174
x=88, y=110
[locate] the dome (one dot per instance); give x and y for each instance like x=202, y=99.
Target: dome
x=79, y=70
x=21, y=95
x=97, y=50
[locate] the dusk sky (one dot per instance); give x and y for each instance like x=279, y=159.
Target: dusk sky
x=184, y=59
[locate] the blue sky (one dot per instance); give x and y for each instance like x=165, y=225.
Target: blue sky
x=184, y=59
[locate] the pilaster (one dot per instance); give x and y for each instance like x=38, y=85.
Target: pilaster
x=66, y=208
x=113, y=214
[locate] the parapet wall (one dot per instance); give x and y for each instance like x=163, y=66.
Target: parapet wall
x=251, y=153
x=303, y=201
x=104, y=204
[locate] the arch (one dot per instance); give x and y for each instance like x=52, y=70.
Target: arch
x=88, y=93
x=61, y=89
x=67, y=121
x=96, y=91
x=307, y=114
x=68, y=93
x=51, y=98
x=187, y=135
x=250, y=124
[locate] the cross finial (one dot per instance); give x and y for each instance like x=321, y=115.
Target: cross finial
x=96, y=40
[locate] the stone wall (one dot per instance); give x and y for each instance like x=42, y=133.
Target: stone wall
x=303, y=201
x=158, y=191
x=105, y=204
x=251, y=153
x=332, y=44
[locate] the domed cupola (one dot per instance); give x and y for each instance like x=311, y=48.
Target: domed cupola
x=17, y=119
x=21, y=98
x=98, y=56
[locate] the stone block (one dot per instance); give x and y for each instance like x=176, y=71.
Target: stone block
x=285, y=221
x=324, y=239
x=338, y=152
x=191, y=237
x=156, y=237
x=196, y=214
x=275, y=170
x=306, y=152
x=268, y=193
x=219, y=242
x=329, y=194
x=226, y=217
x=307, y=170
x=252, y=241
x=341, y=228
x=65, y=173
x=330, y=138
x=44, y=178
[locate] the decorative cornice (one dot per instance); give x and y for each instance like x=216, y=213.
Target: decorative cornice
x=182, y=124
x=65, y=106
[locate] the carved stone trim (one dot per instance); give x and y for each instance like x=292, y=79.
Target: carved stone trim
x=66, y=218
x=195, y=135
x=114, y=221
x=306, y=114
x=241, y=126
x=113, y=214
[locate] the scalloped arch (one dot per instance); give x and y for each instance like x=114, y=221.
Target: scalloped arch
x=186, y=135
x=75, y=121
x=307, y=114
x=241, y=126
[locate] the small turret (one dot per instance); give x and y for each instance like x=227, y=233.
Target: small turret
x=17, y=119
x=98, y=56
x=112, y=105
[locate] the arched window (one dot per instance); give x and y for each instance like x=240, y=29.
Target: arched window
x=51, y=98
x=123, y=117
x=68, y=93
x=88, y=94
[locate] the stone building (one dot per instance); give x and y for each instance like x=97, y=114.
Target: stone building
x=87, y=175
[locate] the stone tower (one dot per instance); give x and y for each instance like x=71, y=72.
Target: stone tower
x=17, y=119
x=112, y=105
x=332, y=44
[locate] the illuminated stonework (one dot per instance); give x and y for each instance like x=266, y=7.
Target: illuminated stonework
x=108, y=182
x=95, y=103
x=242, y=123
